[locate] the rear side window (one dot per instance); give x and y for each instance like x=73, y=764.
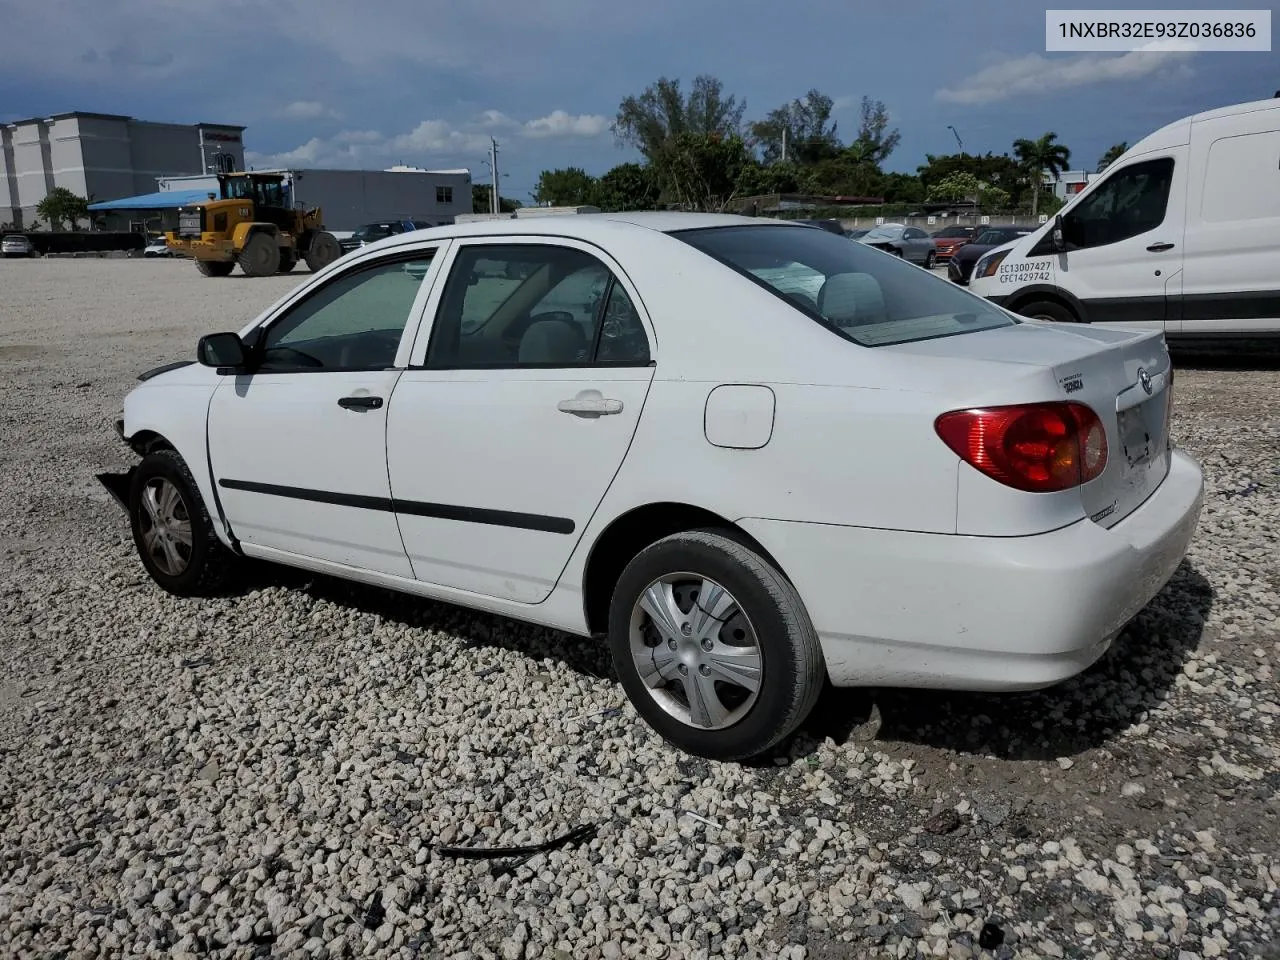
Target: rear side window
x=534, y=305
x=853, y=290
x=1128, y=203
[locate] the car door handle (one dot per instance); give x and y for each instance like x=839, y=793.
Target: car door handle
x=590, y=406
x=360, y=403
x=1160, y=247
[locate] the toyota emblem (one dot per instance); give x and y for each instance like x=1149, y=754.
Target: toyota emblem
x=1144, y=378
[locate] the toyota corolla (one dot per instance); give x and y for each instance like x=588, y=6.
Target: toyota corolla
x=748, y=455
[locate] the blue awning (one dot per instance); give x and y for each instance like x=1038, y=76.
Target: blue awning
x=163, y=200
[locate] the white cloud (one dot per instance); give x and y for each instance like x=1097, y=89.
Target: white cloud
x=1037, y=74
x=308, y=110
x=843, y=103
x=431, y=142
x=558, y=123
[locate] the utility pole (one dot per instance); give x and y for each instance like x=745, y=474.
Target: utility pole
x=784, y=144
x=959, y=142
x=495, y=205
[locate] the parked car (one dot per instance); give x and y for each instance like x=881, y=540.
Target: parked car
x=950, y=239
x=17, y=245
x=960, y=268
x=748, y=455
x=857, y=233
x=372, y=232
x=1179, y=234
x=157, y=248
x=830, y=225
x=910, y=243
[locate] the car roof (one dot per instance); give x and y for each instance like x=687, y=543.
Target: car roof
x=582, y=226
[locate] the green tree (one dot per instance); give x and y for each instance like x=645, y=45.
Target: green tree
x=706, y=172
x=998, y=170
x=875, y=141
x=652, y=121
x=803, y=129
x=1112, y=155
x=628, y=186
x=61, y=204
x=780, y=177
x=902, y=188
x=569, y=187
x=1038, y=157
x=964, y=186
x=480, y=199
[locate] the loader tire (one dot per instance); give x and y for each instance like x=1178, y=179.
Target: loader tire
x=215, y=268
x=260, y=256
x=322, y=251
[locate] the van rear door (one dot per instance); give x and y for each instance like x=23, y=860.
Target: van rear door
x=1233, y=219
x=1125, y=242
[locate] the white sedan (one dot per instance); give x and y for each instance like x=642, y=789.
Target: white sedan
x=752, y=455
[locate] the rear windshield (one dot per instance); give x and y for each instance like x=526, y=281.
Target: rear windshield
x=855, y=291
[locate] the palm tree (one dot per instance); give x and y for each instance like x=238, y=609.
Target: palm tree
x=1112, y=155
x=1039, y=157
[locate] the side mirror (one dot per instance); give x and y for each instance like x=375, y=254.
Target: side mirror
x=221, y=350
x=1059, y=236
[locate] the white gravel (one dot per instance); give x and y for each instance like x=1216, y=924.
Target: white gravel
x=269, y=774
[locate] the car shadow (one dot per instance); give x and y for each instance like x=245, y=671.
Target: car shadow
x=473, y=628
x=1231, y=355
x=1063, y=720
x=1135, y=675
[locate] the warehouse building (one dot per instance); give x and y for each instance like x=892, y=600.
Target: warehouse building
x=103, y=156
x=348, y=199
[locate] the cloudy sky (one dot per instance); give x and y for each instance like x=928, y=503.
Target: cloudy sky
x=340, y=83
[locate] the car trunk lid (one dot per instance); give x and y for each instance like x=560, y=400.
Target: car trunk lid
x=1124, y=375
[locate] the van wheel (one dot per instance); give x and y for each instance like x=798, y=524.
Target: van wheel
x=713, y=646
x=1047, y=310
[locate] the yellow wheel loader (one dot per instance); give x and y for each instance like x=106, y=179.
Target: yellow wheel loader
x=251, y=222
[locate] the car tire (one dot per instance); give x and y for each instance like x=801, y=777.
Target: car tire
x=215, y=268
x=1047, y=310
x=929, y=259
x=288, y=260
x=762, y=635
x=260, y=256
x=165, y=512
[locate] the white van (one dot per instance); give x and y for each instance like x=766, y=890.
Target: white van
x=1182, y=233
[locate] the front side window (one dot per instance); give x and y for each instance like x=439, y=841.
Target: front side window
x=1130, y=202
x=854, y=291
x=354, y=322
x=532, y=305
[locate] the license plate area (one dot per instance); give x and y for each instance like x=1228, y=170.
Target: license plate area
x=1142, y=430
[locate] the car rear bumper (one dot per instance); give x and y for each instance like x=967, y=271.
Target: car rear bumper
x=894, y=608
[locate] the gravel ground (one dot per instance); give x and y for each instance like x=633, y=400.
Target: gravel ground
x=270, y=774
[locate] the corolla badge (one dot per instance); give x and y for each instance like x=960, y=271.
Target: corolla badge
x=1144, y=378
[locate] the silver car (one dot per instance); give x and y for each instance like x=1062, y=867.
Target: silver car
x=17, y=245
x=910, y=243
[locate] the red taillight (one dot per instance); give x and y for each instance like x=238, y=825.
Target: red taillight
x=1038, y=447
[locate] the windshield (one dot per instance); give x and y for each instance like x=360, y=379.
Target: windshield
x=237, y=188
x=855, y=292
x=948, y=233
x=373, y=231
x=885, y=232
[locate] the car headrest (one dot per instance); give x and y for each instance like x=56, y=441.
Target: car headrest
x=852, y=299
x=551, y=341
